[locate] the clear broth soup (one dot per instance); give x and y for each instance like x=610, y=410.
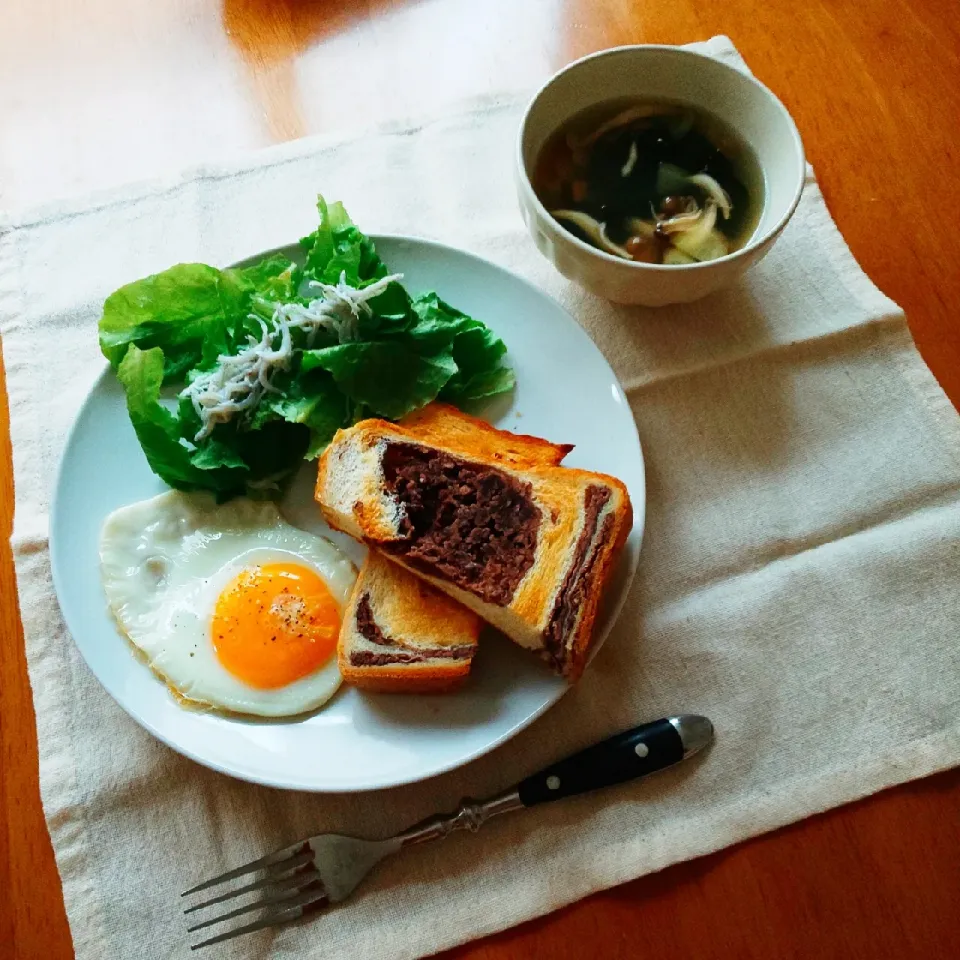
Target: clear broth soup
x=651, y=181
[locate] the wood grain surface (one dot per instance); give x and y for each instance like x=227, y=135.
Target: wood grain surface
x=93, y=92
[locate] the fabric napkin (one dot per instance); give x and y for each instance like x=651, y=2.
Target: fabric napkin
x=797, y=584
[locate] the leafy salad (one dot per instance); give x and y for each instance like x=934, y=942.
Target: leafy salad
x=264, y=363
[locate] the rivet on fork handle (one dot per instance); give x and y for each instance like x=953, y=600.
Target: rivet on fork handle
x=471, y=815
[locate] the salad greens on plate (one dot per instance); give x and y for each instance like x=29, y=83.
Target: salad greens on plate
x=266, y=362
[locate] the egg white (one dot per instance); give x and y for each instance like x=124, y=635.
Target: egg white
x=164, y=563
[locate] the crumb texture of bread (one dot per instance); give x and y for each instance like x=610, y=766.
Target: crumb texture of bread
x=407, y=607
x=488, y=517
x=400, y=635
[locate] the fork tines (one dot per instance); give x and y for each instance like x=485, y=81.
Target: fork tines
x=289, y=887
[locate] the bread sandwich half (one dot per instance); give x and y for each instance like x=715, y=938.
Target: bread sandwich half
x=400, y=635
x=486, y=516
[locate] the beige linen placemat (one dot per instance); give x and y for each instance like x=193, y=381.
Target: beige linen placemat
x=798, y=580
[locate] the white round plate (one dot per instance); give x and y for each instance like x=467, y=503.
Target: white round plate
x=565, y=392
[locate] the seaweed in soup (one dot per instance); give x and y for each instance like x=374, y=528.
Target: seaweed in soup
x=651, y=181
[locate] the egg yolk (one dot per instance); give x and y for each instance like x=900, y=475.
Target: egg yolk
x=274, y=624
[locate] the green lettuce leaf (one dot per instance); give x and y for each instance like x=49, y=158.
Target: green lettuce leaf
x=319, y=245
x=476, y=350
x=313, y=400
x=192, y=311
x=388, y=377
x=436, y=323
x=478, y=354
x=274, y=277
x=337, y=248
x=214, y=454
x=158, y=430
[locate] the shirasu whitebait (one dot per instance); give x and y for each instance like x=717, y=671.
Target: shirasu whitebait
x=239, y=381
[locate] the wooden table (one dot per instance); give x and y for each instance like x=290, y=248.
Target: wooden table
x=96, y=92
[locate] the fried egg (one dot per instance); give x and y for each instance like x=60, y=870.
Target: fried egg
x=229, y=604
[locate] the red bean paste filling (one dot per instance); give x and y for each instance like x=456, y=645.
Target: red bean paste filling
x=369, y=629
x=579, y=574
x=467, y=523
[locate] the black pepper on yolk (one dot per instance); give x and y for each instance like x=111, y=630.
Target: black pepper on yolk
x=275, y=624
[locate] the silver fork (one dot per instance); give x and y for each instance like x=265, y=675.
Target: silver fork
x=301, y=879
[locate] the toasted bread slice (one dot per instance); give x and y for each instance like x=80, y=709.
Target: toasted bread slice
x=454, y=430
x=433, y=652
x=526, y=544
x=399, y=635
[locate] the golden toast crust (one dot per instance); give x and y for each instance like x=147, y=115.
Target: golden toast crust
x=442, y=425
